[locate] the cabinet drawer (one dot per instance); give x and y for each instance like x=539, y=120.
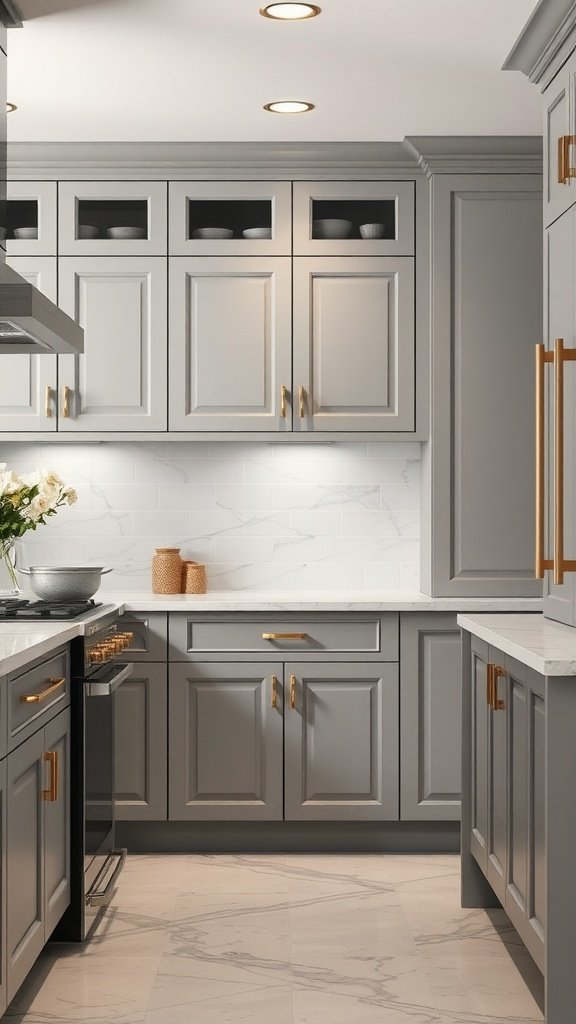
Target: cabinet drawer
x=150, y=630
x=371, y=636
x=26, y=716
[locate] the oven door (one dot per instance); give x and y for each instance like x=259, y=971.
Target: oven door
x=99, y=793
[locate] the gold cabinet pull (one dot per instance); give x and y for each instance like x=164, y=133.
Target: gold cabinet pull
x=38, y=698
x=539, y=518
x=284, y=636
x=283, y=393
x=565, y=169
x=48, y=402
x=489, y=684
x=559, y=461
x=301, y=402
x=292, y=692
x=497, y=673
x=66, y=402
x=274, y=691
x=51, y=794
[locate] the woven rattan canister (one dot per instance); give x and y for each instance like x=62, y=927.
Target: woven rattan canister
x=193, y=578
x=166, y=571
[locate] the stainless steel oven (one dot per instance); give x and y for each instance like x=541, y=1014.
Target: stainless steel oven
x=96, y=863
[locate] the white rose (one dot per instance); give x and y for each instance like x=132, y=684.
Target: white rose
x=10, y=483
x=71, y=496
x=37, y=507
x=51, y=480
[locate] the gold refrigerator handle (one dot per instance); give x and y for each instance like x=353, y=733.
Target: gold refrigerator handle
x=559, y=461
x=539, y=559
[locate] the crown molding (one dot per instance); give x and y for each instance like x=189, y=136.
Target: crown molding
x=10, y=15
x=546, y=42
x=477, y=154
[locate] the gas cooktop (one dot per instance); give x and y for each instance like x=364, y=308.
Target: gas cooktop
x=21, y=608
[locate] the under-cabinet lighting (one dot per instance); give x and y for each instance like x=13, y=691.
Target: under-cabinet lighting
x=288, y=107
x=290, y=11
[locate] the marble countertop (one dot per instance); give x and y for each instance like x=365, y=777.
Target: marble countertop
x=23, y=642
x=544, y=645
x=320, y=600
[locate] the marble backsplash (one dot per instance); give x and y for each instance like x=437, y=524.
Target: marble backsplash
x=315, y=516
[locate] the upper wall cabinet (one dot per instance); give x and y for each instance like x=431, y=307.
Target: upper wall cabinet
x=559, y=147
x=120, y=381
x=31, y=218
x=230, y=335
x=112, y=218
x=353, y=344
x=360, y=218
x=230, y=218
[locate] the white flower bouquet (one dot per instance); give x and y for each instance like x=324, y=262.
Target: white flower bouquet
x=25, y=503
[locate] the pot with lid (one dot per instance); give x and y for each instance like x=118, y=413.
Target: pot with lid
x=64, y=583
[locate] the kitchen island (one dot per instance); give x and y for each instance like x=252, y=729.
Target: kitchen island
x=519, y=786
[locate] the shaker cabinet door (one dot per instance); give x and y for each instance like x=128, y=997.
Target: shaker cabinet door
x=225, y=742
x=119, y=384
x=57, y=821
x=480, y=656
x=341, y=742
x=354, y=344
x=497, y=779
x=141, y=766
x=28, y=382
x=559, y=101
x=230, y=344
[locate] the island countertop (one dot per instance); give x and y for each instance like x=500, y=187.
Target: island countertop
x=544, y=645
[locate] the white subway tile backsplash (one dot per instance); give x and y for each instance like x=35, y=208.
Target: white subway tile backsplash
x=312, y=516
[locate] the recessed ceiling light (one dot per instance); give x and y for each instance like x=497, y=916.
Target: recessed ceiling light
x=289, y=107
x=10, y=107
x=290, y=11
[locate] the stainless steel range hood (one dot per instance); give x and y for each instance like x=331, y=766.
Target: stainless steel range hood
x=29, y=322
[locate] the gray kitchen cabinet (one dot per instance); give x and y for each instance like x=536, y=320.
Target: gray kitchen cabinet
x=32, y=204
x=559, y=97
x=37, y=844
x=430, y=716
x=119, y=383
x=389, y=204
x=230, y=344
x=141, y=744
x=225, y=749
x=354, y=344
x=28, y=383
x=478, y=468
x=341, y=742
x=149, y=636
x=103, y=207
x=3, y=891
x=478, y=768
x=235, y=206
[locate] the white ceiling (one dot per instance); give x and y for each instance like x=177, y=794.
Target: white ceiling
x=202, y=69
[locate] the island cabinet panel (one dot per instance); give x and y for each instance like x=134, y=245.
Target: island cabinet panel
x=479, y=752
x=141, y=744
x=57, y=823
x=341, y=742
x=28, y=383
x=3, y=891
x=354, y=344
x=430, y=716
x=119, y=383
x=225, y=751
x=230, y=344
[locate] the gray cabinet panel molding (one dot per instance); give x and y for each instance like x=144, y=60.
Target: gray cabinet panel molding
x=150, y=635
x=57, y=826
x=141, y=745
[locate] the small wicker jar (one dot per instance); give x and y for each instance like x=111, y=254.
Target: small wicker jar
x=193, y=578
x=166, y=571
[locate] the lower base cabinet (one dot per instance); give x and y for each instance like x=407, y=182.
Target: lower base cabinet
x=141, y=744
x=37, y=844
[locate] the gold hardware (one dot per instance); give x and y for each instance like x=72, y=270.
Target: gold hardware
x=292, y=692
x=37, y=698
x=539, y=519
x=274, y=691
x=497, y=673
x=51, y=794
x=301, y=402
x=48, y=402
x=283, y=392
x=65, y=402
x=558, y=461
x=561, y=159
x=489, y=684
x=284, y=636
x=565, y=170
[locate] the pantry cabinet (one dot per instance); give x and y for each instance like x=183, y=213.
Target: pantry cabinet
x=28, y=383
x=119, y=383
x=354, y=344
x=559, y=153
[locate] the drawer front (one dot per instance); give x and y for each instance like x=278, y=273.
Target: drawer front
x=150, y=631
x=26, y=716
x=363, y=636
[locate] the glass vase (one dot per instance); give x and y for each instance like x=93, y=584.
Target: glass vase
x=8, y=578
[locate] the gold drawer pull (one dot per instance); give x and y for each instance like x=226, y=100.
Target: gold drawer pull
x=37, y=698
x=284, y=636
x=497, y=673
x=66, y=402
x=489, y=684
x=48, y=402
x=51, y=794
x=292, y=692
x=274, y=691
x=301, y=402
x=283, y=392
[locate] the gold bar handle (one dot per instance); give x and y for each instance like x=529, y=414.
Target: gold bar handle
x=539, y=518
x=38, y=698
x=48, y=402
x=51, y=794
x=301, y=402
x=283, y=393
x=284, y=636
x=66, y=402
x=562, y=159
x=497, y=673
x=559, y=461
x=274, y=691
x=489, y=684
x=292, y=692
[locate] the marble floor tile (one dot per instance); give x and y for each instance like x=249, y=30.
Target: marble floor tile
x=261, y=1006
x=315, y=872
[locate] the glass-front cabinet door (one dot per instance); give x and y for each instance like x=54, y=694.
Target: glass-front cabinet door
x=112, y=218
x=354, y=218
x=230, y=218
x=30, y=228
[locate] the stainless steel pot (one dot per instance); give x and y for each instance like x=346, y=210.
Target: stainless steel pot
x=66, y=583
